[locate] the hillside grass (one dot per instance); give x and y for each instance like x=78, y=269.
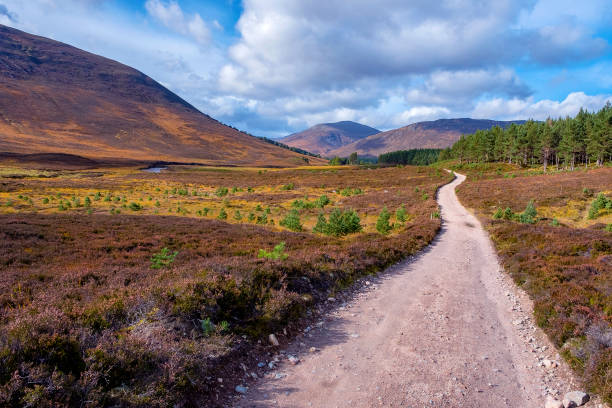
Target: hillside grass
x=133, y=295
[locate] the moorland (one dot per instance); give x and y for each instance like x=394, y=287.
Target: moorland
x=121, y=286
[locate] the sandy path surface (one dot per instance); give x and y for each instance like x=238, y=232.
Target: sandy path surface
x=443, y=329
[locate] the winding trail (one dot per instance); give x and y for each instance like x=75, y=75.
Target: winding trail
x=436, y=330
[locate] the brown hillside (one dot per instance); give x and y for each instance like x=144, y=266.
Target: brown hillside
x=55, y=98
x=323, y=138
x=439, y=134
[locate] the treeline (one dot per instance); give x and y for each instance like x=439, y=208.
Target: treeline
x=584, y=139
x=414, y=157
x=284, y=146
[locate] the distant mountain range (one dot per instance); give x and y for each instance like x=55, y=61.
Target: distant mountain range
x=439, y=133
x=57, y=99
x=326, y=137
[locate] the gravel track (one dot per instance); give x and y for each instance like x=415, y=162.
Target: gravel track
x=446, y=328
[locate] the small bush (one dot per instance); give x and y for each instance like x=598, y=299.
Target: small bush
x=498, y=214
x=45, y=200
x=600, y=203
x=292, y=221
x=207, y=326
x=382, y=224
x=425, y=197
x=262, y=219
x=237, y=215
x=322, y=201
x=339, y=223
x=222, y=214
x=135, y=206
x=221, y=192
x=275, y=254
x=303, y=204
x=347, y=192
x=529, y=215
x=163, y=258
x=287, y=187
x=400, y=214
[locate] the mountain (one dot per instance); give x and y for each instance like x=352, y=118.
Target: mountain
x=58, y=99
x=323, y=138
x=439, y=133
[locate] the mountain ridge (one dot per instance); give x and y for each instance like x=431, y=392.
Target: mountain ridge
x=436, y=134
x=324, y=137
x=56, y=98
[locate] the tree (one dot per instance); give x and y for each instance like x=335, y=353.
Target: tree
x=382, y=224
x=353, y=158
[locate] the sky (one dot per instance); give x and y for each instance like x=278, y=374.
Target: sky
x=274, y=67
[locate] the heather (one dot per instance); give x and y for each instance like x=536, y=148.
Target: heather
x=127, y=288
x=558, y=249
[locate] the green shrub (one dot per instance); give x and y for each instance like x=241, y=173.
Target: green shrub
x=45, y=200
x=108, y=197
x=292, y=221
x=207, y=326
x=287, y=187
x=222, y=214
x=163, y=258
x=529, y=215
x=498, y=214
x=135, y=206
x=237, y=215
x=221, y=192
x=382, y=224
x=609, y=227
x=322, y=201
x=600, y=203
x=275, y=254
x=251, y=217
x=303, y=204
x=555, y=222
x=262, y=219
x=347, y=192
x=339, y=224
x=400, y=214
x=425, y=197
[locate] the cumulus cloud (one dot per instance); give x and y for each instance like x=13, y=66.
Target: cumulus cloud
x=539, y=110
x=6, y=16
x=171, y=15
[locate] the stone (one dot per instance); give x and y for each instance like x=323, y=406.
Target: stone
x=553, y=403
x=312, y=349
x=293, y=359
x=273, y=340
x=241, y=389
x=549, y=363
x=575, y=399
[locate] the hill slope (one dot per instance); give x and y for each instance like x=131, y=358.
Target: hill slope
x=55, y=98
x=439, y=133
x=323, y=138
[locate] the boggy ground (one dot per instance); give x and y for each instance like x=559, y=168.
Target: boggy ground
x=563, y=260
x=85, y=319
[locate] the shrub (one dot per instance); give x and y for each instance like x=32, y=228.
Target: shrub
x=222, y=214
x=262, y=219
x=400, y=214
x=555, y=222
x=382, y=224
x=135, y=206
x=237, y=215
x=251, y=217
x=529, y=215
x=163, y=258
x=347, y=192
x=303, y=204
x=609, y=227
x=258, y=207
x=292, y=221
x=221, y=192
x=339, y=223
x=600, y=203
x=322, y=201
x=425, y=197
x=45, y=200
x=275, y=254
x=498, y=214
x=287, y=187
x=207, y=327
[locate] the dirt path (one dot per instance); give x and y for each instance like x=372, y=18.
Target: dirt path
x=444, y=329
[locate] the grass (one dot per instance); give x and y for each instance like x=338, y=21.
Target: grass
x=147, y=304
x=559, y=251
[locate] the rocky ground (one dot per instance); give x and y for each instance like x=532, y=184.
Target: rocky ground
x=446, y=328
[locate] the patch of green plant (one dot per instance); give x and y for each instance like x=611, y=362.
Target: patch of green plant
x=529, y=215
x=600, y=203
x=277, y=253
x=425, y=197
x=287, y=187
x=135, y=206
x=45, y=200
x=163, y=258
x=237, y=215
x=322, y=201
x=221, y=192
x=400, y=214
x=251, y=217
x=292, y=221
x=347, y=192
x=222, y=214
x=609, y=227
x=382, y=223
x=207, y=327
x=339, y=223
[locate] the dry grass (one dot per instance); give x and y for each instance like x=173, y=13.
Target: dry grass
x=85, y=317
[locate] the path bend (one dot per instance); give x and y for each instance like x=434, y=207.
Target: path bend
x=435, y=330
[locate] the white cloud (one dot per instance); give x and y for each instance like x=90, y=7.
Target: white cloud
x=419, y=114
x=171, y=15
x=528, y=108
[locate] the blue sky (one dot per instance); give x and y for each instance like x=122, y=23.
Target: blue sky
x=273, y=67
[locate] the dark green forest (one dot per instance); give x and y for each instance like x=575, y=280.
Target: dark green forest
x=564, y=142
x=414, y=157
